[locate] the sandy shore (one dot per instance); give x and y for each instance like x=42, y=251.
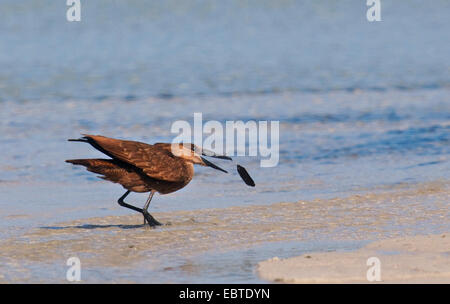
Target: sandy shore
x=121, y=249
x=419, y=259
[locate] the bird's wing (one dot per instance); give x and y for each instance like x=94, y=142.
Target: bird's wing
x=153, y=161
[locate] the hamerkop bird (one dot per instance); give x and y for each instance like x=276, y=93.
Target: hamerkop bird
x=140, y=167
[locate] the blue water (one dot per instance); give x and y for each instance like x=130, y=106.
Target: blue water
x=134, y=49
x=360, y=104
x=331, y=145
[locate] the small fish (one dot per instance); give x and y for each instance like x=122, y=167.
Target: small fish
x=245, y=176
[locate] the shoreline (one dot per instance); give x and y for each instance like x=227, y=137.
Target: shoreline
x=417, y=259
x=205, y=245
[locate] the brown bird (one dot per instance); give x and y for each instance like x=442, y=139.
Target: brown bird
x=140, y=167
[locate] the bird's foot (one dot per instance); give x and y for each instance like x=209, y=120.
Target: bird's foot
x=150, y=220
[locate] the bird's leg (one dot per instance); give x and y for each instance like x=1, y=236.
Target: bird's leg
x=123, y=204
x=147, y=215
x=147, y=203
x=151, y=221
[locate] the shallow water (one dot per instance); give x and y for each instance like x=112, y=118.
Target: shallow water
x=357, y=142
x=133, y=49
x=364, y=108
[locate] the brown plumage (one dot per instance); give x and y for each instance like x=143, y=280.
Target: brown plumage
x=140, y=167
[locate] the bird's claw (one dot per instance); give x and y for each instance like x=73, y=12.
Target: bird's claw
x=148, y=218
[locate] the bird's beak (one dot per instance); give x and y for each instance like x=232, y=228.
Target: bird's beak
x=209, y=153
x=210, y=164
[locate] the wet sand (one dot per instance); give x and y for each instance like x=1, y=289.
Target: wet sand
x=418, y=259
x=195, y=246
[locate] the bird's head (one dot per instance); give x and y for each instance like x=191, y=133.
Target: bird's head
x=192, y=153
